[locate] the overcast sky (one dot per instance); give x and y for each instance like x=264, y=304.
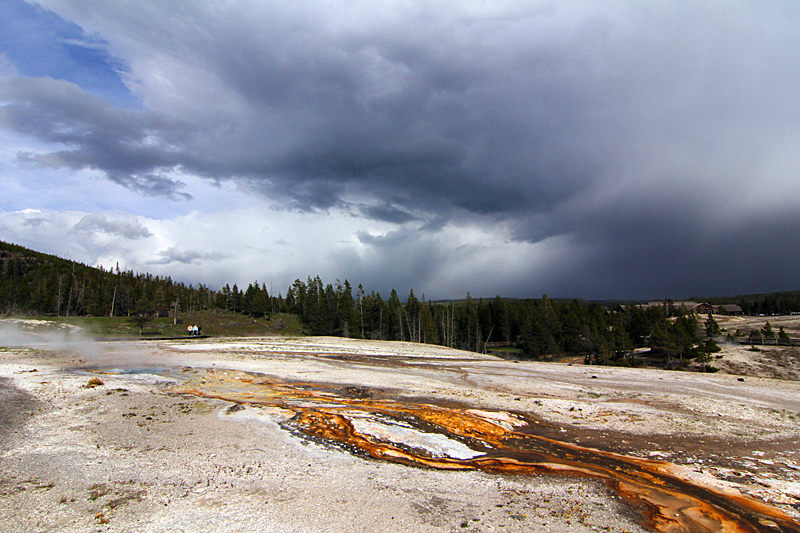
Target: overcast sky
x=592, y=149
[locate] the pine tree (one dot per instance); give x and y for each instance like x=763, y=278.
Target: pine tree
x=346, y=310
x=428, y=329
x=712, y=327
x=394, y=319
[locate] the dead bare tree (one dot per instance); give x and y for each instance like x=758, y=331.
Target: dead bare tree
x=113, y=299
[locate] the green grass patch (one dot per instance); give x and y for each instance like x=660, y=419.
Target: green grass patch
x=506, y=352
x=213, y=323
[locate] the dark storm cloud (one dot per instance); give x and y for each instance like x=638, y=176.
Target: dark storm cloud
x=635, y=131
x=304, y=196
x=668, y=256
x=151, y=185
x=131, y=147
x=387, y=213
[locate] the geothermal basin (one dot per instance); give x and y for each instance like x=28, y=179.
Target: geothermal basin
x=324, y=434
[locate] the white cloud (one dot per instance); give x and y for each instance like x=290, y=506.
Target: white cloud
x=127, y=228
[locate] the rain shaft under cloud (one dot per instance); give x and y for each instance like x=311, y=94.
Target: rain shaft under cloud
x=595, y=150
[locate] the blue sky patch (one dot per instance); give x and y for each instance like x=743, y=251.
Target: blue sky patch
x=39, y=43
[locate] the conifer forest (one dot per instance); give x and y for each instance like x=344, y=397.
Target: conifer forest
x=33, y=283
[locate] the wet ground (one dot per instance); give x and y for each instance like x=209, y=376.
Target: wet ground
x=453, y=437
x=16, y=407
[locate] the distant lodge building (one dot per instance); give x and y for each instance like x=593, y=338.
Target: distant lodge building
x=699, y=308
x=729, y=309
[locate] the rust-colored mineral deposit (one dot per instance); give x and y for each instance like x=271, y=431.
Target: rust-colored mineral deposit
x=457, y=437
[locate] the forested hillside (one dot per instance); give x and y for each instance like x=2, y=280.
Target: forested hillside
x=40, y=284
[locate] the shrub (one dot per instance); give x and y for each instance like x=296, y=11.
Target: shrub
x=94, y=382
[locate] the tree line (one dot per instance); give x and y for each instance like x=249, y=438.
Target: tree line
x=41, y=284
x=535, y=328
x=777, y=303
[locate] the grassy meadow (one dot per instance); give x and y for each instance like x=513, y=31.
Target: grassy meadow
x=213, y=323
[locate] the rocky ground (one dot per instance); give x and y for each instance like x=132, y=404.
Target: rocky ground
x=132, y=455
